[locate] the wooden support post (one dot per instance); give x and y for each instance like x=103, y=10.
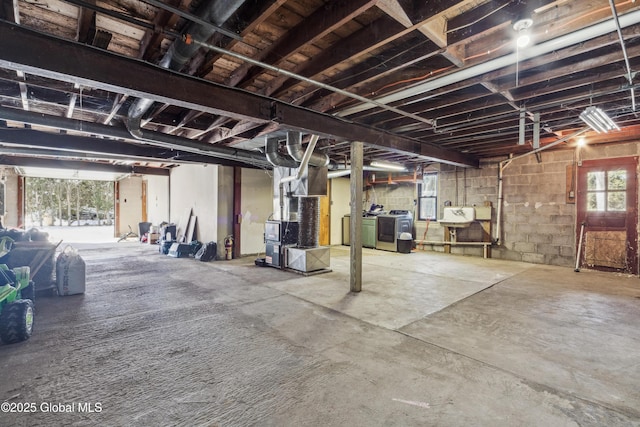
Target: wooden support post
x=355, y=238
x=447, y=238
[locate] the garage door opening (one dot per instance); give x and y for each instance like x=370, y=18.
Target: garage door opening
x=70, y=210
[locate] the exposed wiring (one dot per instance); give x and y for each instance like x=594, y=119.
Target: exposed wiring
x=479, y=19
x=426, y=76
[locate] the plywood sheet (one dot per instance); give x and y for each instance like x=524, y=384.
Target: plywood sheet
x=606, y=249
x=191, y=228
x=183, y=223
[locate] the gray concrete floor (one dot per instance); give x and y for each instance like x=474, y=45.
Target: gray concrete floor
x=433, y=340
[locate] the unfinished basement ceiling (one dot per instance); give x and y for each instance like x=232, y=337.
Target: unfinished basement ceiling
x=163, y=82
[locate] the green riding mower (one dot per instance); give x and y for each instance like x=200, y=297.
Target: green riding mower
x=17, y=294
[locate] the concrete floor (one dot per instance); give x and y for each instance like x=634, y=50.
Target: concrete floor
x=433, y=340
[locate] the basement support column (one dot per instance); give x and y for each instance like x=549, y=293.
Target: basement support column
x=355, y=231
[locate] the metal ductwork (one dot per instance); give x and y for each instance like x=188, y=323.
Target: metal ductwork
x=179, y=53
x=295, y=150
x=274, y=157
x=157, y=139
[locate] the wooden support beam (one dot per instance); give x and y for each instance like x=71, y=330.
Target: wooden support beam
x=320, y=23
x=81, y=165
x=24, y=50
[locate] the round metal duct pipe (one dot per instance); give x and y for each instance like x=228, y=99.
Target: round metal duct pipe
x=295, y=150
x=156, y=139
x=274, y=157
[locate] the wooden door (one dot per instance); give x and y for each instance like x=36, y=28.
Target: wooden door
x=608, y=206
x=144, y=201
x=325, y=208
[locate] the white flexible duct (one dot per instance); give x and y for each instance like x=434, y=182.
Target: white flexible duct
x=561, y=42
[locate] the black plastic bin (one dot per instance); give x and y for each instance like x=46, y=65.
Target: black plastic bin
x=405, y=243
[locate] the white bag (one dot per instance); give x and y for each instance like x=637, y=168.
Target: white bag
x=70, y=272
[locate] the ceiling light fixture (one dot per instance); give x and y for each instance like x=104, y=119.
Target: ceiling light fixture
x=598, y=120
x=388, y=165
x=522, y=27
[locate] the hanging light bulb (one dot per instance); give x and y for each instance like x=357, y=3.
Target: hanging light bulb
x=522, y=27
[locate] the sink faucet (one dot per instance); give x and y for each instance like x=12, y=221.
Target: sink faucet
x=459, y=212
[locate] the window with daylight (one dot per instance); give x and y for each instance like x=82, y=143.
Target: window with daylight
x=428, y=197
x=607, y=191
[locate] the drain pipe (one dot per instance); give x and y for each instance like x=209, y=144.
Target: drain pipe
x=505, y=163
x=179, y=53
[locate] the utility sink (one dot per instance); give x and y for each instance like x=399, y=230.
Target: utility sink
x=458, y=217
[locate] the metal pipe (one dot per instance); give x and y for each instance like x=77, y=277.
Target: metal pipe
x=500, y=200
x=577, y=269
x=549, y=46
x=438, y=242
x=294, y=148
x=553, y=144
x=304, y=163
x=180, y=52
x=505, y=163
x=152, y=138
x=614, y=12
x=274, y=157
x=338, y=173
x=170, y=141
x=310, y=81
x=193, y=18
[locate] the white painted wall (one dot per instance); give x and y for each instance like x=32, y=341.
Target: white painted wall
x=195, y=187
x=130, y=204
x=340, y=197
x=256, y=206
x=157, y=198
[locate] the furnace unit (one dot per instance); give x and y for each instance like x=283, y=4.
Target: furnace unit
x=278, y=235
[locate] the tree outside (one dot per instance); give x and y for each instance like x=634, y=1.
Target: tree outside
x=51, y=201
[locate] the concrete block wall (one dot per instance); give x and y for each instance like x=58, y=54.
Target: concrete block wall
x=399, y=196
x=538, y=225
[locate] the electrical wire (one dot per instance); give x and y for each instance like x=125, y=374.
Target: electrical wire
x=479, y=19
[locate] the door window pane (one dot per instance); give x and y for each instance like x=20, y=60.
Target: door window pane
x=617, y=180
x=595, y=202
x=617, y=201
x=595, y=181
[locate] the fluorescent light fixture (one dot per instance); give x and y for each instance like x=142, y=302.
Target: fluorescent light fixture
x=388, y=165
x=598, y=120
